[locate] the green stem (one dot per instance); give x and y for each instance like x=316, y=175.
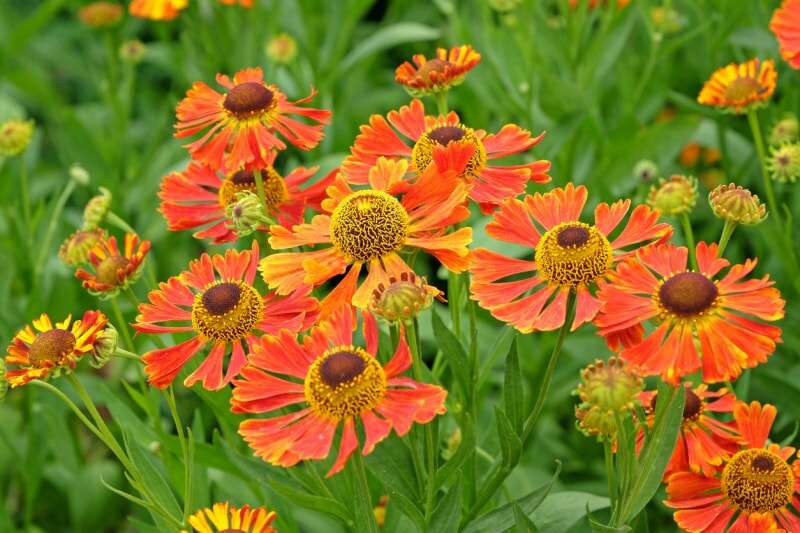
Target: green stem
x=115, y=220
x=55, y=218
x=364, y=515
x=187, y=466
x=119, y=352
x=609, y=460
x=26, y=202
x=454, y=287
x=727, y=231
x=260, y=190
x=758, y=140
x=501, y=471
x=441, y=102
x=122, y=325
x=689, y=234
x=429, y=450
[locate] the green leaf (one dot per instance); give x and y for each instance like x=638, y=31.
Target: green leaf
x=656, y=451
x=448, y=512
x=153, y=479
x=597, y=527
x=562, y=510
x=310, y=501
x=391, y=462
x=513, y=394
x=510, y=443
x=503, y=518
x=452, y=350
x=522, y=524
x=453, y=466
x=408, y=508
x=387, y=37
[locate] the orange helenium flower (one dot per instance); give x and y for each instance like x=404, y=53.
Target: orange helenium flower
x=489, y=184
x=336, y=383
x=740, y=87
x=439, y=73
x=703, y=441
x=243, y=3
x=785, y=24
x=222, y=309
x=241, y=126
x=223, y=517
x=754, y=491
x=33, y=355
x=369, y=227
x=114, y=269
x=569, y=255
x=157, y=9
x=702, y=322
x=197, y=198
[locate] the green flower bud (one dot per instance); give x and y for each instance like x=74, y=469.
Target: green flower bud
x=784, y=131
x=403, y=298
x=737, y=204
x=674, y=195
x=246, y=214
x=607, y=389
x=15, y=135
x=784, y=163
x=96, y=209
x=645, y=170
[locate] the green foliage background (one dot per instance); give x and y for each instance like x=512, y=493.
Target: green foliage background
x=595, y=81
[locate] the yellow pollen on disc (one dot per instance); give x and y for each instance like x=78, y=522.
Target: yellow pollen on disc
x=344, y=381
x=108, y=269
x=422, y=153
x=226, y=311
x=50, y=347
x=758, y=481
x=741, y=88
x=686, y=295
x=368, y=225
x=572, y=254
x=248, y=100
x=275, y=191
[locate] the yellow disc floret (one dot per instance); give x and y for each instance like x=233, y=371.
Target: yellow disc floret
x=226, y=311
x=368, y=225
x=344, y=381
x=758, y=481
x=572, y=254
x=51, y=347
x=422, y=153
x=275, y=192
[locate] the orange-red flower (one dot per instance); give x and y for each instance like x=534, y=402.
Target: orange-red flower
x=702, y=322
x=489, y=185
x=157, y=9
x=447, y=69
x=223, y=517
x=241, y=127
x=785, y=24
x=756, y=490
x=198, y=197
x=114, y=269
x=569, y=255
x=369, y=227
x=223, y=309
x=243, y=3
x=738, y=88
x=51, y=349
x=336, y=383
x=703, y=441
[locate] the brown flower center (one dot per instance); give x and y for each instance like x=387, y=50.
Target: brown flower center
x=243, y=177
x=573, y=236
x=433, y=65
x=692, y=406
x=109, y=268
x=50, y=347
x=248, y=99
x=340, y=367
x=742, y=88
x=221, y=298
x=445, y=134
x=758, y=481
x=227, y=311
x=687, y=294
x=344, y=381
x=275, y=192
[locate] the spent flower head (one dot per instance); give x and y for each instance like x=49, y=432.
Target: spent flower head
x=246, y=213
x=132, y=51
x=15, y=135
x=281, y=48
x=100, y=14
x=403, y=297
x=75, y=249
x=786, y=130
x=674, y=195
x=736, y=204
x=645, y=170
x=783, y=163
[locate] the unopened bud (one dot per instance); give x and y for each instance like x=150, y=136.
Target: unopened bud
x=737, y=204
x=674, y=195
x=15, y=135
x=96, y=209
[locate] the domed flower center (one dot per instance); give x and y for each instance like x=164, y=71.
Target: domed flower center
x=226, y=311
x=248, y=99
x=433, y=65
x=572, y=254
x=692, y=406
x=50, y=347
x=687, y=294
x=742, y=88
x=445, y=134
x=109, y=268
x=422, y=153
x=344, y=381
x=368, y=225
x=275, y=192
x=758, y=481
